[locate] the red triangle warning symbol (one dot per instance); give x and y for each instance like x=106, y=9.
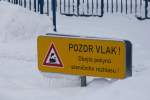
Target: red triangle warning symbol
x=52, y=58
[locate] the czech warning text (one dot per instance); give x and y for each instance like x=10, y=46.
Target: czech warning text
x=89, y=48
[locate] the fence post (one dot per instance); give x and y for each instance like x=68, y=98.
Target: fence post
x=53, y=2
x=83, y=81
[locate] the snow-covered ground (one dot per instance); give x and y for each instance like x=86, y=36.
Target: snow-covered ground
x=19, y=75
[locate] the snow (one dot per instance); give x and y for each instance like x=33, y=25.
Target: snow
x=19, y=75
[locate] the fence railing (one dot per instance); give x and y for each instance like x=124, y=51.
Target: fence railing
x=140, y=8
x=99, y=8
x=41, y=6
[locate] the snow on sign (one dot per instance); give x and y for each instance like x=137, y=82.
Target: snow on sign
x=52, y=58
x=85, y=56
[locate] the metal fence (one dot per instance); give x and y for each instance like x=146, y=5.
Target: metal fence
x=86, y=8
x=140, y=8
x=41, y=6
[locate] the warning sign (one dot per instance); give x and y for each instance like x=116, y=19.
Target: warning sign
x=85, y=56
x=52, y=58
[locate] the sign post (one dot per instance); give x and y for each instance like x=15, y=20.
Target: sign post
x=83, y=81
x=54, y=4
x=85, y=56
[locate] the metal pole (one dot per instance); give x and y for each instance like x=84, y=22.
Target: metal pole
x=54, y=14
x=83, y=81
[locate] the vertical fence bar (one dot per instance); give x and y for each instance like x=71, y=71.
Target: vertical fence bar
x=73, y=7
x=68, y=6
x=53, y=5
x=116, y=5
x=78, y=3
x=60, y=6
x=38, y=5
x=35, y=5
x=25, y=3
x=121, y=6
x=16, y=1
x=92, y=7
x=140, y=6
x=126, y=6
x=83, y=7
x=146, y=9
x=87, y=6
x=131, y=6
x=102, y=8
x=64, y=6
x=107, y=5
x=21, y=3
x=47, y=7
x=135, y=7
x=112, y=6
x=97, y=7
x=30, y=4
x=41, y=6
